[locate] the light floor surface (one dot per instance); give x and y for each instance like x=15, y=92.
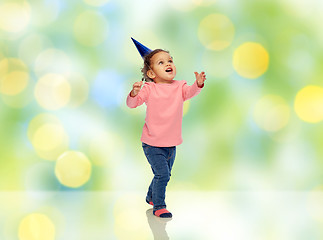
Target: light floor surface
x=196, y=216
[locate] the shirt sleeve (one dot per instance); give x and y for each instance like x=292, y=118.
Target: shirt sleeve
x=139, y=99
x=191, y=91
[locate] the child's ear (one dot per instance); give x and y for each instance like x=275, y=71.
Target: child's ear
x=151, y=74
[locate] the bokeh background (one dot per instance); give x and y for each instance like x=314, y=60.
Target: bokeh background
x=66, y=68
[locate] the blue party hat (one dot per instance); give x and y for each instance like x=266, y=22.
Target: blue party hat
x=143, y=50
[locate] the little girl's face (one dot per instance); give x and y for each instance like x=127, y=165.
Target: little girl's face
x=163, y=67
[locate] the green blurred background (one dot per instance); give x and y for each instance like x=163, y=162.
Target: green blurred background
x=66, y=68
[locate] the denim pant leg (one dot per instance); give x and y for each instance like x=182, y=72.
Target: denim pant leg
x=161, y=160
x=170, y=162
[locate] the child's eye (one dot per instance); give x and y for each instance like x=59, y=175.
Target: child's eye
x=170, y=61
x=161, y=62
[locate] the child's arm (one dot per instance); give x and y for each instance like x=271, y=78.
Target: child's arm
x=138, y=95
x=192, y=91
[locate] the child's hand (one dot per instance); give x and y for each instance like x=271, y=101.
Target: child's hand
x=136, y=88
x=200, y=78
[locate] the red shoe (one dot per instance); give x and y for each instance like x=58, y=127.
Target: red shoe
x=149, y=202
x=163, y=213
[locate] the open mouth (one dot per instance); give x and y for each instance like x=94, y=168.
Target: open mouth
x=169, y=70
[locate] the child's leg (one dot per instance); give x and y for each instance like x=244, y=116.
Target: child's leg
x=161, y=177
x=170, y=162
x=161, y=161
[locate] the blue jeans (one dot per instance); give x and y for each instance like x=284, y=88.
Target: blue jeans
x=161, y=160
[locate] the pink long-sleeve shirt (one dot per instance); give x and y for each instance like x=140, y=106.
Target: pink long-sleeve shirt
x=163, y=122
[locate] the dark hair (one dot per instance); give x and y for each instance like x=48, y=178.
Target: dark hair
x=147, y=62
